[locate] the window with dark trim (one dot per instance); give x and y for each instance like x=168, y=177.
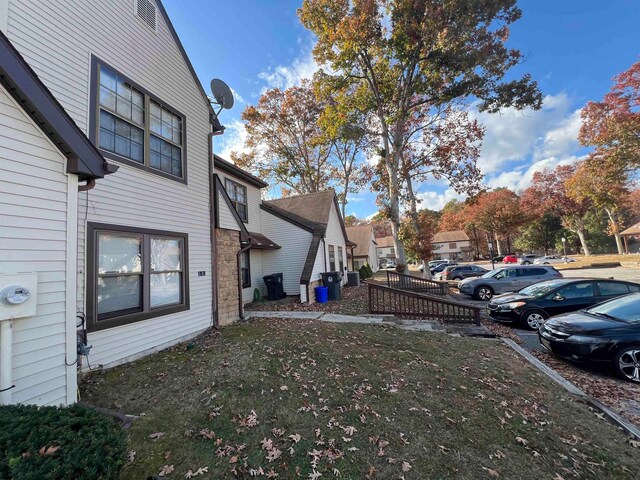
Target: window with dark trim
x=134, y=274
x=332, y=258
x=341, y=260
x=245, y=269
x=453, y=246
x=134, y=127
x=238, y=195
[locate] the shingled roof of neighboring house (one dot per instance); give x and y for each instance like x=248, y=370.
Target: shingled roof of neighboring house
x=453, y=236
x=220, y=163
x=361, y=236
x=309, y=212
x=385, y=242
x=632, y=230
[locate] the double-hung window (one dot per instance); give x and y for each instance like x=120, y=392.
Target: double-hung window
x=332, y=258
x=133, y=127
x=134, y=274
x=238, y=195
x=341, y=260
x=245, y=269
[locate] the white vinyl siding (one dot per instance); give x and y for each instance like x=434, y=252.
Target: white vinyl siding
x=33, y=238
x=373, y=256
x=335, y=237
x=256, y=276
x=58, y=40
x=226, y=220
x=290, y=259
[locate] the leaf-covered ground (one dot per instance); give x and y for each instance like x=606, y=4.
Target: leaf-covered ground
x=306, y=399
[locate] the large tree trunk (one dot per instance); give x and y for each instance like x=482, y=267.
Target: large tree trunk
x=498, y=246
x=583, y=241
x=613, y=218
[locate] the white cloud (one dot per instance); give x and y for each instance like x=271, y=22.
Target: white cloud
x=237, y=96
x=285, y=76
x=233, y=140
x=514, y=136
x=436, y=200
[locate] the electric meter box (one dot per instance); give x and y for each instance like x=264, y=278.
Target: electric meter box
x=18, y=295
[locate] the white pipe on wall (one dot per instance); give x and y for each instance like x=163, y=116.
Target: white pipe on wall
x=6, y=355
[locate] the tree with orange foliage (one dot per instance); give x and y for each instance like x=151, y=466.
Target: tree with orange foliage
x=548, y=193
x=499, y=213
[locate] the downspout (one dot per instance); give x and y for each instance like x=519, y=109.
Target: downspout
x=6, y=356
x=87, y=186
x=240, y=305
x=212, y=228
x=324, y=253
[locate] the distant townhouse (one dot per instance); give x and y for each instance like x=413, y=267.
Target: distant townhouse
x=107, y=190
x=454, y=245
x=365, y=251
x=386, y=248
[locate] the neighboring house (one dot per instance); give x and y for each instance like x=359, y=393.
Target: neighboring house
x=240, y=244
x=365, y=251
x=312, y=234
x=454, y=245
x=132, y=253
x=630, y=236
x=386, y=249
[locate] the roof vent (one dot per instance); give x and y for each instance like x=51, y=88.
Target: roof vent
x=147, y=12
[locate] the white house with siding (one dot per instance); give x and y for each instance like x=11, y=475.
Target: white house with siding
x=366, y=248
x=453, y=245
x=133, y=252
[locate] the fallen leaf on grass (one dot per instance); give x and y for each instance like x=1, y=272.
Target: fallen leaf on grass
x=296, y=437
x=634, y=443
x=406, y=466
x=157, y=435
x=233, y=459
x=443, y=448
x=131, y=456
x=314, y=475
x=521, y=440
x=46, y=451
x=491, y=472
x=166, y=470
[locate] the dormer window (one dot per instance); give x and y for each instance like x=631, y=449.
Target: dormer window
x=132, y=126
x=238, y=195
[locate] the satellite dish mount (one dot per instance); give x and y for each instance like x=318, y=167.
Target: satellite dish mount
x=222, y=97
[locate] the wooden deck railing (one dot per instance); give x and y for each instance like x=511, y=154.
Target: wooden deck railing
x=391, y=301
x=410, y=283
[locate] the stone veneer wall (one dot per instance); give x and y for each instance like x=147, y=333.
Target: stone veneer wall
x=228, y=244
x=312, y=292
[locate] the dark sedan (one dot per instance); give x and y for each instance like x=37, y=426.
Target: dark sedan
x=608, y=332
x=531, y=306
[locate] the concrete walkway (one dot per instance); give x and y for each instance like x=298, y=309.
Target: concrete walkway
x=413, y=325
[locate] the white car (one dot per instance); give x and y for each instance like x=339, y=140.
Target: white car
x=551, y=259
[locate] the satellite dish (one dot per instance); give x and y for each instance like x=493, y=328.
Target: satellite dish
x=222, y=93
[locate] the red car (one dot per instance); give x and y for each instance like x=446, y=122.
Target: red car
x=510, y=259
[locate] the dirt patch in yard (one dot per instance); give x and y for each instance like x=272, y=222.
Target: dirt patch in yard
x=298, y=399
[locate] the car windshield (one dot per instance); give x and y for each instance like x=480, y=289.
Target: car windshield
x=625, y=308
x=492, y=273
x=540, y=289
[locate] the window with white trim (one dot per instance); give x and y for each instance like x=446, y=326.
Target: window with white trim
x=238, y=195
x=332, y=258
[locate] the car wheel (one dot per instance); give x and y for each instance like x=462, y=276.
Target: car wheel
x=627, y=364
x=533, y=319
x=457, y=278
x=546, y=263
x=484, y=293
x=526, y=263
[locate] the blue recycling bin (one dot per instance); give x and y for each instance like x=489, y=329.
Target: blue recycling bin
x=322, y=294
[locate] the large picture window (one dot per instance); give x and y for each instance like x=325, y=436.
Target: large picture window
x=238, y=195
x=341, y=260
x=132, y=126
x=134, y=274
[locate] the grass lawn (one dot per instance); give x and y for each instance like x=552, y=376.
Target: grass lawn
x=584, y=261
x=301, y=398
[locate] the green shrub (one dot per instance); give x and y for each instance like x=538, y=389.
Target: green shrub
x=56, y=443
x=369, y=270
x=363, y=272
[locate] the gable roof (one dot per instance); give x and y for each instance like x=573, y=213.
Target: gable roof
x=453, y=236
x=228, y=167
x=385, y=242
x=217, y=127
x=632, y=230
x=310, y=212
x=361, y=236
x=38, y=102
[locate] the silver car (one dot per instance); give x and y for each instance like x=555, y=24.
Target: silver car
x=506, y=279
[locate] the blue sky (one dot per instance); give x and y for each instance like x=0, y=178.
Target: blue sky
x=572, y=49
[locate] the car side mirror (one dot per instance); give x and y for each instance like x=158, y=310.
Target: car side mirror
x=558, y=298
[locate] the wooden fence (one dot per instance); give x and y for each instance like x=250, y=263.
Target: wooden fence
x=391, y=301
x=410, y=283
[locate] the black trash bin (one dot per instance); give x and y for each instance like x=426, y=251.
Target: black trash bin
x=275, y=290
x=333, y=281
